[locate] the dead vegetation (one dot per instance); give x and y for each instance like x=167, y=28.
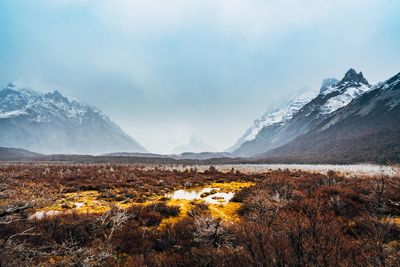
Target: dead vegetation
x=282, y=218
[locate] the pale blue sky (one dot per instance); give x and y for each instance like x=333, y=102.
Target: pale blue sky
x=164, y=70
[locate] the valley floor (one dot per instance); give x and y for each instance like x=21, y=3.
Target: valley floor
x=345, y=170
x=227, y=215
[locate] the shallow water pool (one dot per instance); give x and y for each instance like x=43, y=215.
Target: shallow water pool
x=208, y=194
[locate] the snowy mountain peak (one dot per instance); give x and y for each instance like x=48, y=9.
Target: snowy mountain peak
x=329, y=103
x=43, y=107
x=53, y=123
x=342, y=93
x=353, y=77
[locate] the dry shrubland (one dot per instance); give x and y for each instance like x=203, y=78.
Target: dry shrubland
x=287, y=218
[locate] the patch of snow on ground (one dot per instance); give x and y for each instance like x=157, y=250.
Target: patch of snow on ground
x=214, y=198
x=43, y=214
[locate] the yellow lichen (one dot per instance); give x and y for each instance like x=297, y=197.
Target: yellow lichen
x=231, y=186
x=226, y=212
x=85, y=202
x=397, y=220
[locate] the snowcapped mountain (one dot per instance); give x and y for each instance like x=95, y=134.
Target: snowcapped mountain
x=365, y=130
x=342, y=93
x=276, y=117
x=16, y=102
x=333, y=95
x=53, y=123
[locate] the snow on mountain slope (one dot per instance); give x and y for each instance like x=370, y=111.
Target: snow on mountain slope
x=344, y=98
x=16, y=101
x=339, y=94
x=365, y=130
x=279, y=116
x=53, y=123
x=333, y=95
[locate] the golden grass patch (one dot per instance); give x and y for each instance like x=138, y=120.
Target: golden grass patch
x=231, y=186
x=226, y=212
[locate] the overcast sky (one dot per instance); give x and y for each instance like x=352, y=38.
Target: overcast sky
x=167, y=70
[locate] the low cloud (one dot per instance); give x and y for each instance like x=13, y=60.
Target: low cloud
x=207, y=66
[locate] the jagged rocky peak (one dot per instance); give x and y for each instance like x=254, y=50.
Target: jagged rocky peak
x=327, y=83
x=353, y=77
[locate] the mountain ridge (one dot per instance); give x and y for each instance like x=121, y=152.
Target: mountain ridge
x=52, y=123
x=331, y=98
x=367, y=129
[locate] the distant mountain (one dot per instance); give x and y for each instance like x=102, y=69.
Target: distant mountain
x=135, y=154
x=365, y=130
x=203, y=155
x=194, y=144
x=11, y=154
x=52, y=123
x=333, y=96
x=183, y=156
x=276, y=118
